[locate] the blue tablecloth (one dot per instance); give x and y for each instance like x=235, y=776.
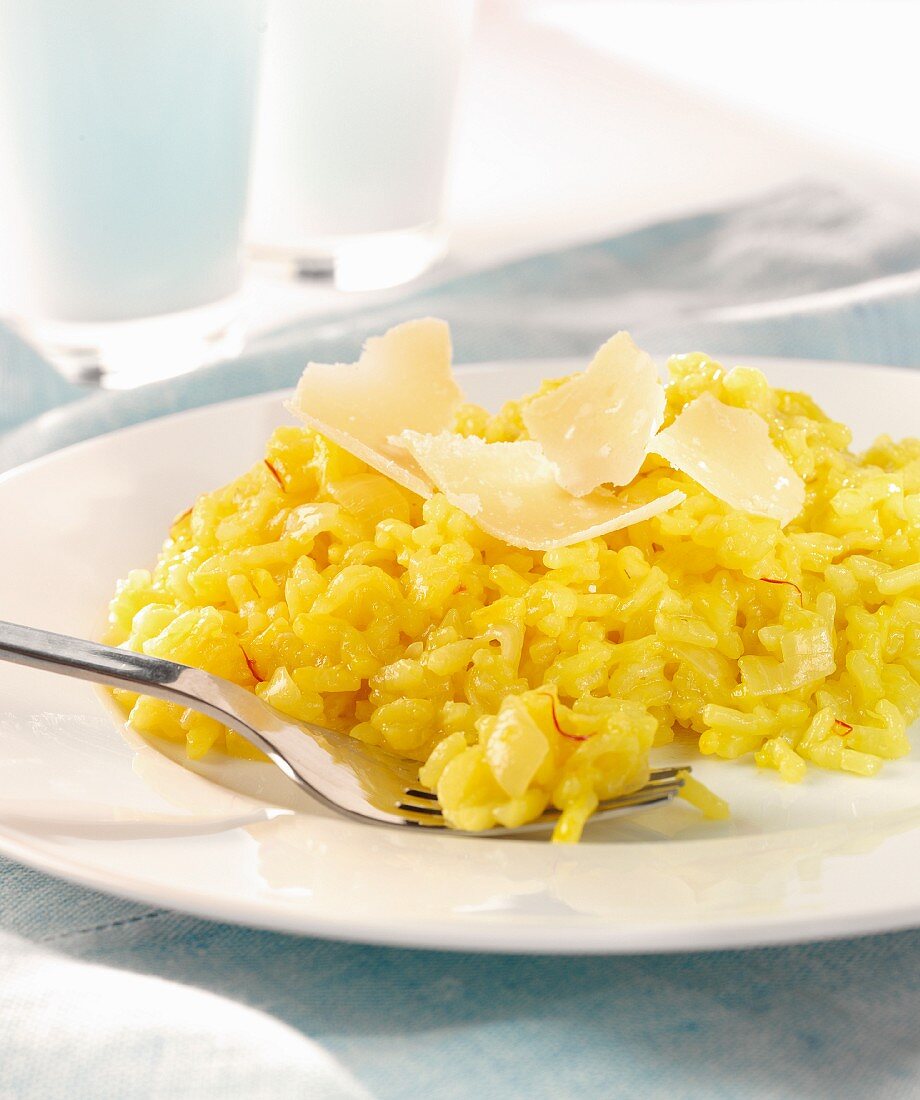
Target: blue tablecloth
x=106, y=999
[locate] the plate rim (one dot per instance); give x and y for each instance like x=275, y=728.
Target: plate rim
x=595, y=938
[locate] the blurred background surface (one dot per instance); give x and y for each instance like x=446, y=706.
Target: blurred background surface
x=580, y=118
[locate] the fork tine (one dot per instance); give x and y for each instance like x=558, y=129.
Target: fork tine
x=428, y=821
x=437, y=824
x=657, y=777
x=414, y=792
x=666, y=773
x=652, y=792
x=664, y=784
x=428, y=811
x=613, y=809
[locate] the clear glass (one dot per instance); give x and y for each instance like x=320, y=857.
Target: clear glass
x=125, y=134
x=355, y=122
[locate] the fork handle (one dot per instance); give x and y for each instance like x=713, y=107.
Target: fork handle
x=26, y=645
x=300, y=757
x=122, y=668
x=189, y=687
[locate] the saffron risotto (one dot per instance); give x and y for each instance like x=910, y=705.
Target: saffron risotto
x=521, y=680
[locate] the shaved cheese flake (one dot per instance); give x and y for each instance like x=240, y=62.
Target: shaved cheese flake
x=730, y=453
x=402, y=380
x=597, y=426
x=510, y=490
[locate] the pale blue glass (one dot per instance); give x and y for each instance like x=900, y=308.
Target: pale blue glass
x=125, y=133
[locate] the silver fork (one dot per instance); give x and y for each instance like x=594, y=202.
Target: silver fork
x=348, y=776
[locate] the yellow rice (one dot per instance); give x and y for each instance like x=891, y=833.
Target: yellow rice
x=522, y=679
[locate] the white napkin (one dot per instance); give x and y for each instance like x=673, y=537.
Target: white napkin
x=74, y=1029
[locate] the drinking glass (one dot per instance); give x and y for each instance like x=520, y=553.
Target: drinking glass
x=125, y=131
x=354, y=130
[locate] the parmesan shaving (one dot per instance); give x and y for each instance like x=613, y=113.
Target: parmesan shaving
x=729, y=452
x=597, y=426
x=510, y=490
x=402, y=380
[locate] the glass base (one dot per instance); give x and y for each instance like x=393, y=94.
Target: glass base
x=367, y=261
x=120, y=355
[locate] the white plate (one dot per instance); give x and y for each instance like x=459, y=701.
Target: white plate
x=835, y=855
